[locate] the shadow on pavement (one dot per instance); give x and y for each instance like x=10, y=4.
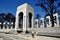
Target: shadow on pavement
x=49, y=36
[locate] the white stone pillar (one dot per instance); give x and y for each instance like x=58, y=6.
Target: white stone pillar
x=42, y=23
x=48, y=21
x=4, y=25
x=37, y=22
x=24, y=24
x=16, y=23
x=56, y=20
x=32, y=22
x=0, y=25
x=11, y=25
x=27, y=23
x=7, y=25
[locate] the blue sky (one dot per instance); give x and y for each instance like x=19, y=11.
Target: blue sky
x=11, y=6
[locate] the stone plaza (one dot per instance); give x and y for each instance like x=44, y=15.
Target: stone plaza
x=25, y=21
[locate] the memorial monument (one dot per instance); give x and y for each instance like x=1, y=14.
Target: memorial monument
x=24, y=17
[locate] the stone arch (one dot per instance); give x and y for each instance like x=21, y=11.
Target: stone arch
x=26, y=12
x=20, y=24
x=30, y=19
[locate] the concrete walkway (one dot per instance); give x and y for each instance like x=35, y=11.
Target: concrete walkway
x=29, y=37
x=24, y=37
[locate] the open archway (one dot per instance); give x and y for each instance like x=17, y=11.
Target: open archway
x=20, y=20
x=30, y=20
x=24, y=17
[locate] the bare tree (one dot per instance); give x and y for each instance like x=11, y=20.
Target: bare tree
x=49, y=7
x=2, y=18
x=10, y=18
